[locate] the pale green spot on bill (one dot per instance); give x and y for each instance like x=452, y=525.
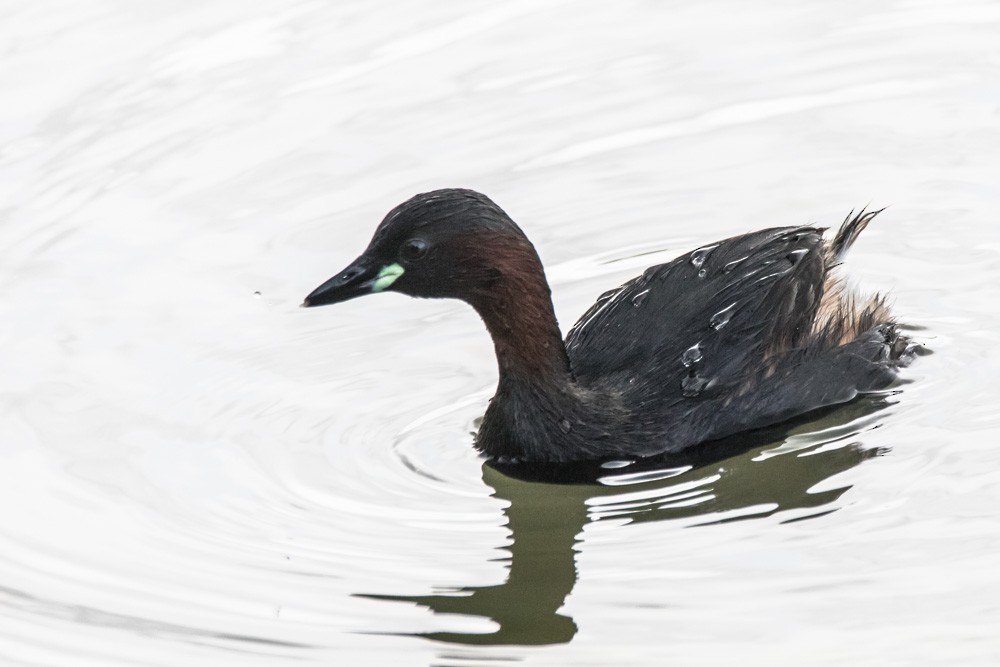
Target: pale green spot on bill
x=387, y=276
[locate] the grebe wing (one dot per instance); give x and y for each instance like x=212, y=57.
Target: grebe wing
x=706, y=320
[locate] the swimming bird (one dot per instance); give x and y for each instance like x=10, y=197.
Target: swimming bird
x=735, y=335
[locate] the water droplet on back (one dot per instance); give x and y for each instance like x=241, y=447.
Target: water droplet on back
x=796, y=256
x=565, y=426
x=729, y=266
x=692, y=355
x=692, y=385
x=721, y=318
x=639, y=298
x=703, y=273
x=698, y=256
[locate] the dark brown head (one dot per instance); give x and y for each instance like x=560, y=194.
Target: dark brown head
x=441, y=244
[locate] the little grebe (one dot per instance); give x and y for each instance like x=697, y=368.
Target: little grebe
x=736, y=335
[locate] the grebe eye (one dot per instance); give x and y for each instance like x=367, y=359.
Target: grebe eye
x=413, y=250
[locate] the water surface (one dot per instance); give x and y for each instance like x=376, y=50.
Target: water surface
x=195, y=471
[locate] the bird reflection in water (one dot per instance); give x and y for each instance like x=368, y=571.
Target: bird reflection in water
x=756, y=475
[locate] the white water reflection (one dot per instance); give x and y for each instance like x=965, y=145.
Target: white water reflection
x=195, y=471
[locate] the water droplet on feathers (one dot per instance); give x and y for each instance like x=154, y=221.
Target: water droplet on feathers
x=692, y=385
x=721, y=318
x=699, y=256
x=729, y=266
x=692, y=355
x=796, y=256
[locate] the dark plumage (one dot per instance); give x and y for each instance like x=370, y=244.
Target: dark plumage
x=735, y=335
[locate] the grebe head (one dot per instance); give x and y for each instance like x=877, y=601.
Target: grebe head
x=441, y=244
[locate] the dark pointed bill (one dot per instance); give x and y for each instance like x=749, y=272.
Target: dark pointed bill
x=360, y=278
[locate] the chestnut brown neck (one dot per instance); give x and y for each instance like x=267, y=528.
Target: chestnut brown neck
x=516, y=305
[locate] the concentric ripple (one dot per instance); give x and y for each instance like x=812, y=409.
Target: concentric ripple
x=195, y=471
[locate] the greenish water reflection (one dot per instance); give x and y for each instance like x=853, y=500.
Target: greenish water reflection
x=758, y=475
